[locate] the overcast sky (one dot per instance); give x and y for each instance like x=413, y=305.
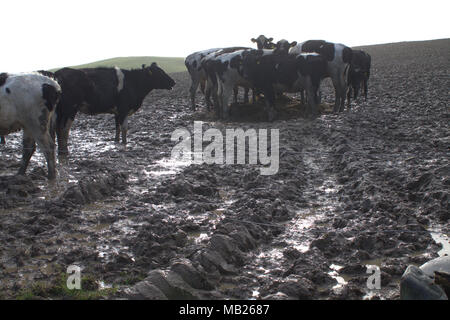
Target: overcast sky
x=48, y=34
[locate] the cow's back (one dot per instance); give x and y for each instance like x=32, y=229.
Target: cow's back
x=23, y=97
x=193, y=61
x=105, y=89
x=25, y=89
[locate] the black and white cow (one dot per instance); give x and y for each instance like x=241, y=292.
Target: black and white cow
x=262, y=42
x=195, y=66
x=193, y=63
x=269, y=72
x=359, y=73
x=338, y=57
x=105, y=90
x=28, y=101
x=208, y=65
x=215, y=65
x=198, y=74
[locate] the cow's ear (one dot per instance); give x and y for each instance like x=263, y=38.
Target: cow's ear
x=270, y=39
x=153, y=65
x=293, y=43
x=253, y=40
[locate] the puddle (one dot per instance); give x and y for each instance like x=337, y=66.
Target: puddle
x=198, y=237
x=440, y=237
x=255, y=294
x=102, y=285
x=166, y=166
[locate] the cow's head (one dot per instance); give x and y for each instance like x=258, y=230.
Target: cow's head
x=283, y=46
x=158, y=77
x=252, y=64
x=263, y=43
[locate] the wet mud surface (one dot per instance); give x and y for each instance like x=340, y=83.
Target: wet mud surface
x=359, y=188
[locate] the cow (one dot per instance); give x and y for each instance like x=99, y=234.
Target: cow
x=194, y=63
x=214, y=65
x=262, y=42
x=28, y=101
x=198, y=75
x=338, y=57
x=359, y=74
x=105, y=90
x=269, y=72
x=208, y=63
x=283, y=46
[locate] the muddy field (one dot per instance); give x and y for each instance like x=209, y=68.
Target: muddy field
x=365, y=187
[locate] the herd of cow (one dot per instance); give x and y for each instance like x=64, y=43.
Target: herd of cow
x=44, y=104
x=276, y=68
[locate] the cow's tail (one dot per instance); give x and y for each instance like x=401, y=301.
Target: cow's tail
x=52, y=95
x=347, y=74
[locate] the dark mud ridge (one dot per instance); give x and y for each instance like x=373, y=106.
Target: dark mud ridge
x=362, y=188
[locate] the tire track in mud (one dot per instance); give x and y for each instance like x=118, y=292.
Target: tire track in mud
x=270, y=263
x=240, y=255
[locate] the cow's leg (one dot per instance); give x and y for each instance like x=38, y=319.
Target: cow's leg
x=246, y=90
x=202, y=85
x=225, y=96
x=356, y=90
x=344, y=90
x=117, y=120
x=29, y=147
x=342, y=94
x=62, y=134
x=124, y=126
x=311, y=93
x=208, y=91
x=340, y=90
x=235, y=94
x=2, y=140
x=47, y=146
x=365, y=88
x=336, y=85
x=337, y=99
x=344, y=85
x=302, y=96
x=193, y=91
x=218, y=96
x=269, y=96
x=349, y=95
x=216, y=100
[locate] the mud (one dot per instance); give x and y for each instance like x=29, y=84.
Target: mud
x=365, y=187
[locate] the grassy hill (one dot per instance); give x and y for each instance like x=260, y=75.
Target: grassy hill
x=169, y=64
x=176, y=64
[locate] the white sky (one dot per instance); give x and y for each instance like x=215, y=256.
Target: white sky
x=49, y=34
